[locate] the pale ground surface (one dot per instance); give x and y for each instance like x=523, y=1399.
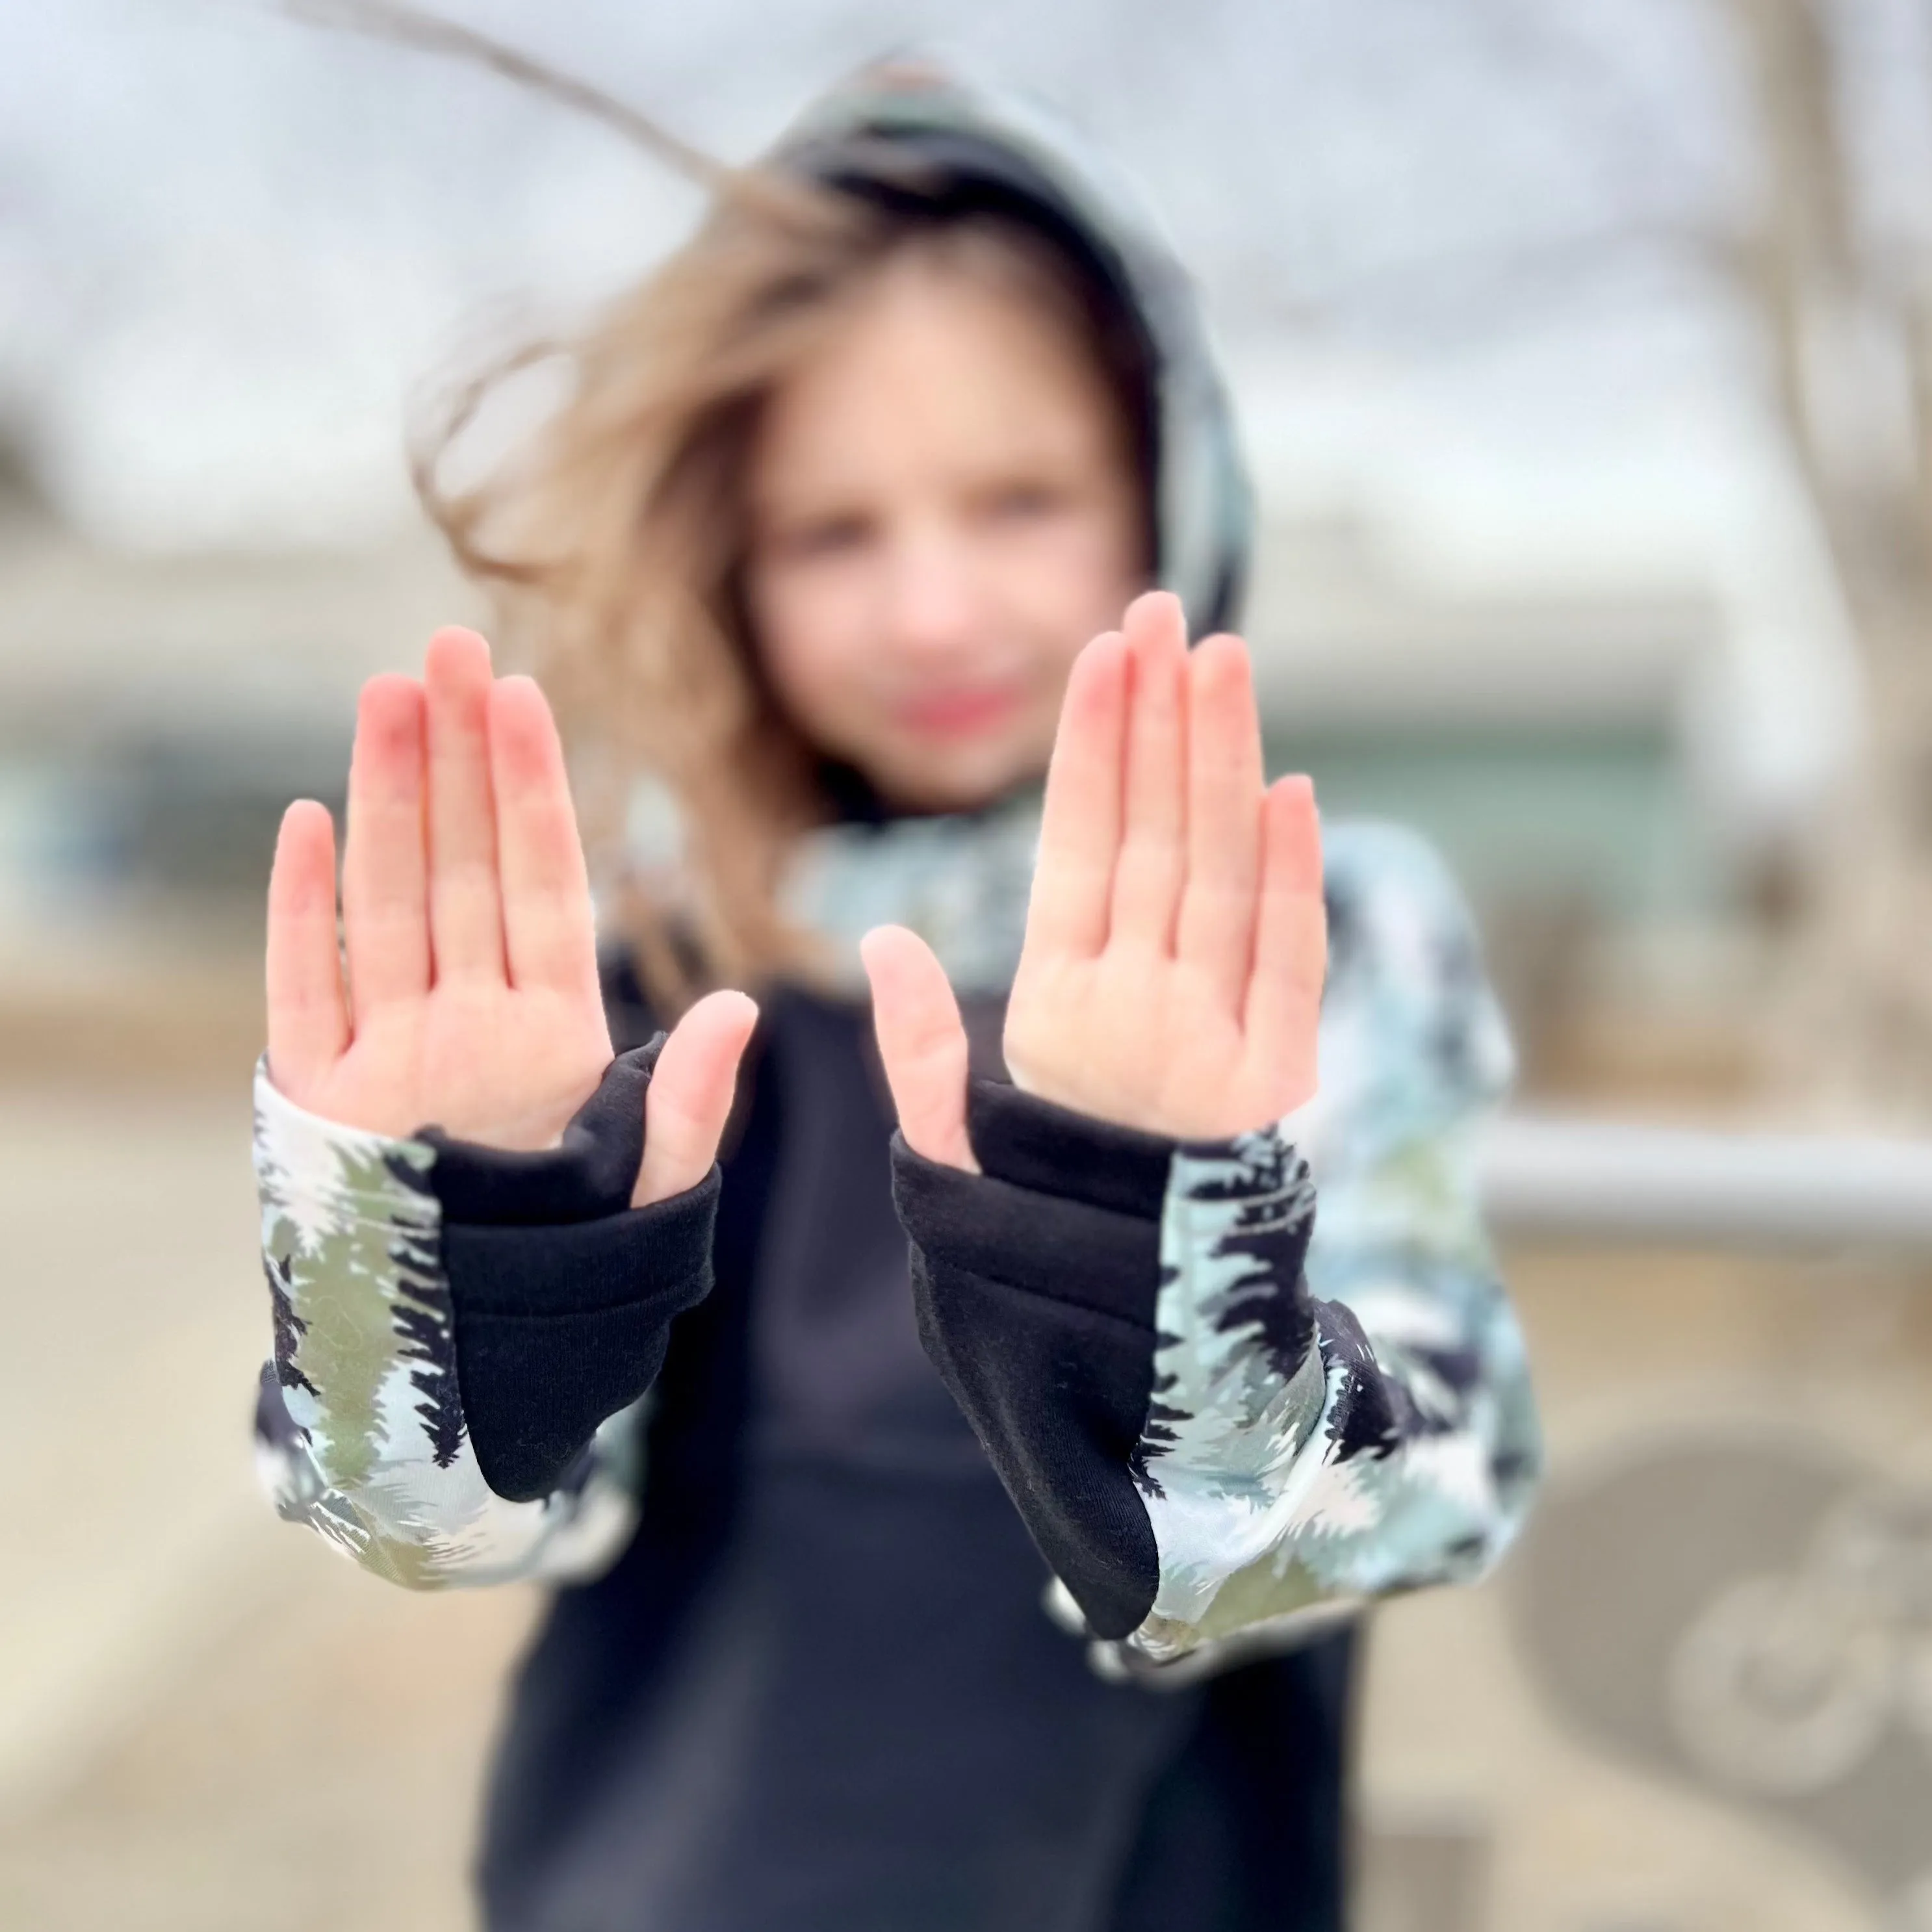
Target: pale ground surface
x=1631, y=1348
x=207, y=1723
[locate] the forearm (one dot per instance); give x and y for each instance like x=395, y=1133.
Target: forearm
x=428, y=1528
x=462, y=1340
x=1199, y=1444
x=1389, y=1444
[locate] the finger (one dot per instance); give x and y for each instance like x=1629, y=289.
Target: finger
x=921, y=1042
x=1215, y=929
x=1147, y=874
x=549, y=930
x=308, y=1017
x=1284, y=1000
x=465, y=915
x=689, y=1096
x=1080, y=822
x=385, y=912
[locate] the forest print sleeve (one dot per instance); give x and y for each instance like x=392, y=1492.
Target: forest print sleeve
x=1238, y=1390
x=360, y=1428
x=1373, y=1430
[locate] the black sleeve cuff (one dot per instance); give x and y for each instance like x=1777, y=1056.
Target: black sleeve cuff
x=1064, y=1206
x=562, y=1294
x=1034, y=1143
x=589, y=1173
x=1035, y=1283
x=1042, y=1244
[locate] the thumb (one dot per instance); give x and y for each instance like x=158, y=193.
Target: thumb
x=921, y=1042
x=689, y=1097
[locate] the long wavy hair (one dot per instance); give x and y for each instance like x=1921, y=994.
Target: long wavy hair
x=611, y=537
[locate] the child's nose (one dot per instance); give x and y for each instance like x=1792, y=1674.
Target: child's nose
x=933, y=592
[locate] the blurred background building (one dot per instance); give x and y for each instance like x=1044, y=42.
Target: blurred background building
x=1585, y=350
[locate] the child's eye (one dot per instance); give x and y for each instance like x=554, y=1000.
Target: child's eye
x=1019, y=502
x=830, y=536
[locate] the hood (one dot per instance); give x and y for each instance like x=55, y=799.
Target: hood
x=913, y=136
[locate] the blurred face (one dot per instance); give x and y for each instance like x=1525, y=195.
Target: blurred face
x=942, y=513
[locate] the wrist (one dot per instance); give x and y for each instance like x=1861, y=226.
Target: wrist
x=1182, y=1119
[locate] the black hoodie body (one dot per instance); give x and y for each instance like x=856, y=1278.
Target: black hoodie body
x=818, y=1691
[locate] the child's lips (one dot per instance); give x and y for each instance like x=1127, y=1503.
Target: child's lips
x=958, y=714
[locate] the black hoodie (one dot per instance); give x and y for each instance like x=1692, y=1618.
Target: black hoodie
x=811, y=1447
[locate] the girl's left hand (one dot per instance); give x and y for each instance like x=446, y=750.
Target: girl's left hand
x=1176, y=944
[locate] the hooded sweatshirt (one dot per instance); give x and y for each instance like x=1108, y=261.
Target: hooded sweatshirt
x=934, y=1552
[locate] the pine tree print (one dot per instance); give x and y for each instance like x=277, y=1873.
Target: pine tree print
x=425, y=1321
x=289, y=1326
x=345, y=1287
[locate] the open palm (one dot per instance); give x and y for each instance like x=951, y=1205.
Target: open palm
x=1175, y=946
x=471, y=999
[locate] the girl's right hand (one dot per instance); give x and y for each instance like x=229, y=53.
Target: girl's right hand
x=471, y=1000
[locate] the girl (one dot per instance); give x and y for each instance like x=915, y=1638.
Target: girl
x=959, y=1527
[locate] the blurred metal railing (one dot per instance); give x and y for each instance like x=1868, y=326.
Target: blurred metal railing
x=1604, y=1180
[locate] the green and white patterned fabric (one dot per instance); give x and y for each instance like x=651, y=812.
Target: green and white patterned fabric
x=1267, y=1521
x=367, y=1443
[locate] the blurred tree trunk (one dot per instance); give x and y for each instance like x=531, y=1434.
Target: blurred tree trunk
x=1850, y=345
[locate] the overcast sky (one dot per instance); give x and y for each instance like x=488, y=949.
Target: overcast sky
x=1435, y=233
x=230, y=243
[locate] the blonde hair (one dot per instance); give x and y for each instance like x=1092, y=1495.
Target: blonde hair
x=612, y=538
